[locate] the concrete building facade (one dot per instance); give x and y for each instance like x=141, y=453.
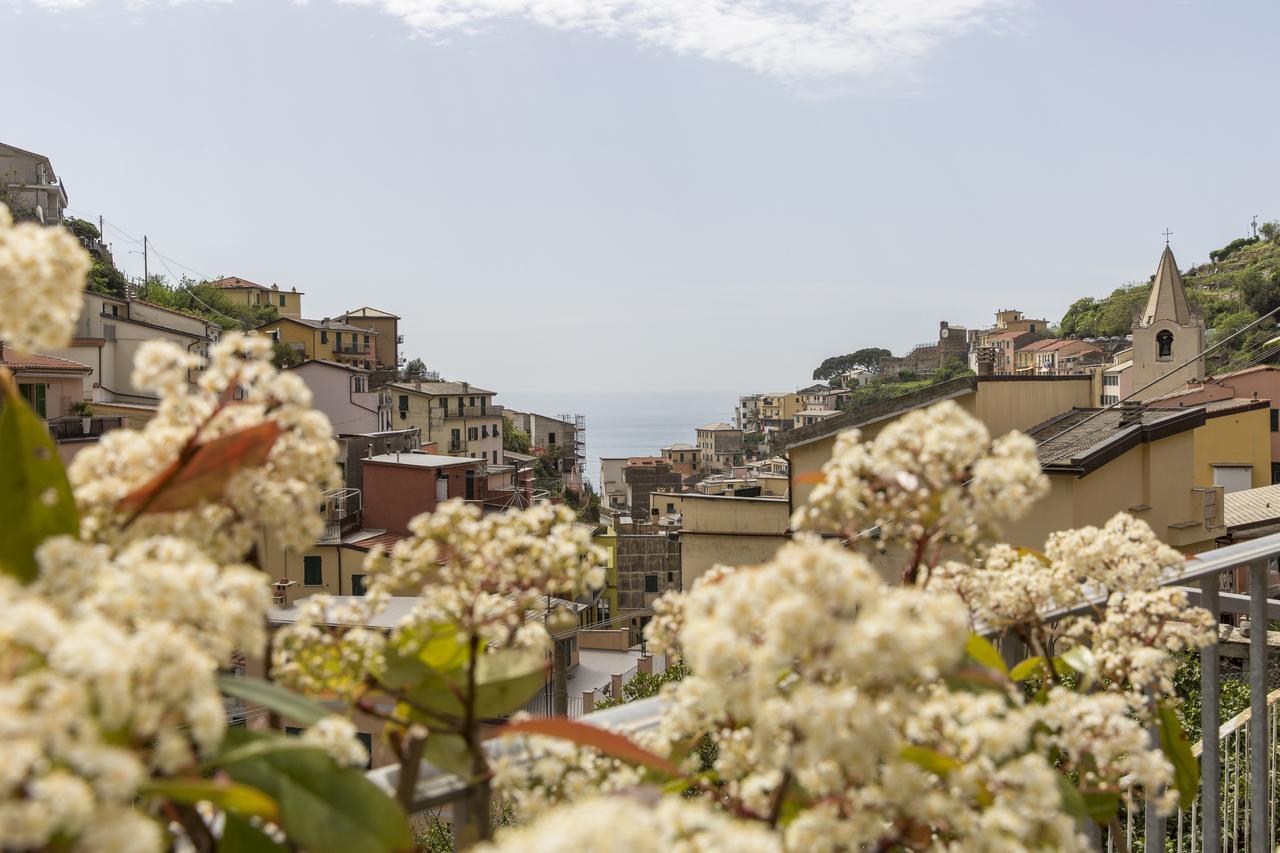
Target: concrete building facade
x=29, y=186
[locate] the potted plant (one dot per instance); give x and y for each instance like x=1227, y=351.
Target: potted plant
x=85, y=411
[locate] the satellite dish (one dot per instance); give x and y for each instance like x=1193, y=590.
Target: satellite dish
x=945, y=332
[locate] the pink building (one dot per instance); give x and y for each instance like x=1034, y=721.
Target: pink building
x=1256, y=383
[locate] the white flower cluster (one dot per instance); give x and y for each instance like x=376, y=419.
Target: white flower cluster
x=846, y=713
x=635, y=826
x=549, y=771
x=42, y=275
x=479, y=575
x=930, y=479
x=337, y=736
x=238, y=389
x=810, y=671
x=108, y=663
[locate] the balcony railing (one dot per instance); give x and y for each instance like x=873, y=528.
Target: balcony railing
x=343, y=511
x=1234, y=811
x=485, y=411
x=72, y=427
x=357, y=349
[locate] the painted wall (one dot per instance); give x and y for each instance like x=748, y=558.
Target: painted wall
x=1236, y=438
x=333, y=394
x=1002, y=403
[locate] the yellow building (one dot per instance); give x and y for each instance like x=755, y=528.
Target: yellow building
x=1164, y=466
x=387, y=325
x=288, y=303
x=1233, y=448
x=1134, y=460
x=778, y=411
x=1001, y=402
x=715, y=529
x=462, y=418
x=327, y=340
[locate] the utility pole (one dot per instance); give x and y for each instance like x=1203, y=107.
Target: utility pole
x=1254, y=225
x=145, y=275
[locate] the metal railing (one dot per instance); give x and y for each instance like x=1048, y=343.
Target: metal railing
x=72, y=427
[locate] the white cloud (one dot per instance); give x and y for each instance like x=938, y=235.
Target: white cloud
x=786, y=38
x=794, y=39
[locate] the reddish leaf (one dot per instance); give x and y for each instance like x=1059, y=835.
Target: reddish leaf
x=601, y=739
x=204, y=474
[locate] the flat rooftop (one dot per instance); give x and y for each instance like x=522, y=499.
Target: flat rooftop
x=422, y=460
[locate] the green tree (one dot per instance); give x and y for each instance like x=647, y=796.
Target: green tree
x=283, y=355
x=514, y=439
x=868, y=358
x=83, y=229
x=416, y=368
x=1269, y=231
x=951, y=368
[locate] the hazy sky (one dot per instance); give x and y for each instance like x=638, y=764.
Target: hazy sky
x=580, y=195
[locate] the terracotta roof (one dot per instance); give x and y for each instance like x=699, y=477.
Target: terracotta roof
x=16, y=360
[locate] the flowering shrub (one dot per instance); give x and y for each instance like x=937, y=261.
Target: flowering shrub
x=823, y=707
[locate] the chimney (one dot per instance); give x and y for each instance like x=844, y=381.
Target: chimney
x=324, y=322
x=1130, y=413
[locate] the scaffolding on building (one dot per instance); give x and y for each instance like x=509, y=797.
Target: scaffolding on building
x=579, y=449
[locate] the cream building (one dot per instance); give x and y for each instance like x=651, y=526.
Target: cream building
x=108, y=335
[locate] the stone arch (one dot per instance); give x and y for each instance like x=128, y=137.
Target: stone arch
x=1164, y=344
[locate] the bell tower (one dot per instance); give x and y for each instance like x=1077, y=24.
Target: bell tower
x=1166, y=334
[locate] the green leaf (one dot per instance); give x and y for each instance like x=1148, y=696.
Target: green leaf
x=323, y=807
x=449, y=753
x=228, y=796
x=444, y=647
x=240, y=836
x=1072, y=800
x=982, y=651
x=976, y=679
x=932, y=760
x=1177, y=748
x=1101, y=805
x=35, y=497
x=1081, y=659
x=283, y=701
x=507, y=679
x=234, y=750
x=1027, y=668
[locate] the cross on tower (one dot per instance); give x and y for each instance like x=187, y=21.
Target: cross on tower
x=1167, y=235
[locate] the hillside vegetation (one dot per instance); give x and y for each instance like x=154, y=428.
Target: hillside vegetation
x=1240, y=283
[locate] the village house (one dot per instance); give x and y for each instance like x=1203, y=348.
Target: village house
x=342, y=393
x=241, y=291
x=107, y=336
x=31, y=186
x=720, y=446
x=325, y=339
x=460, y=417
x=386, y=346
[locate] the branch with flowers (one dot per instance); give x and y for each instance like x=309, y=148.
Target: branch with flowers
x=825, y=707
